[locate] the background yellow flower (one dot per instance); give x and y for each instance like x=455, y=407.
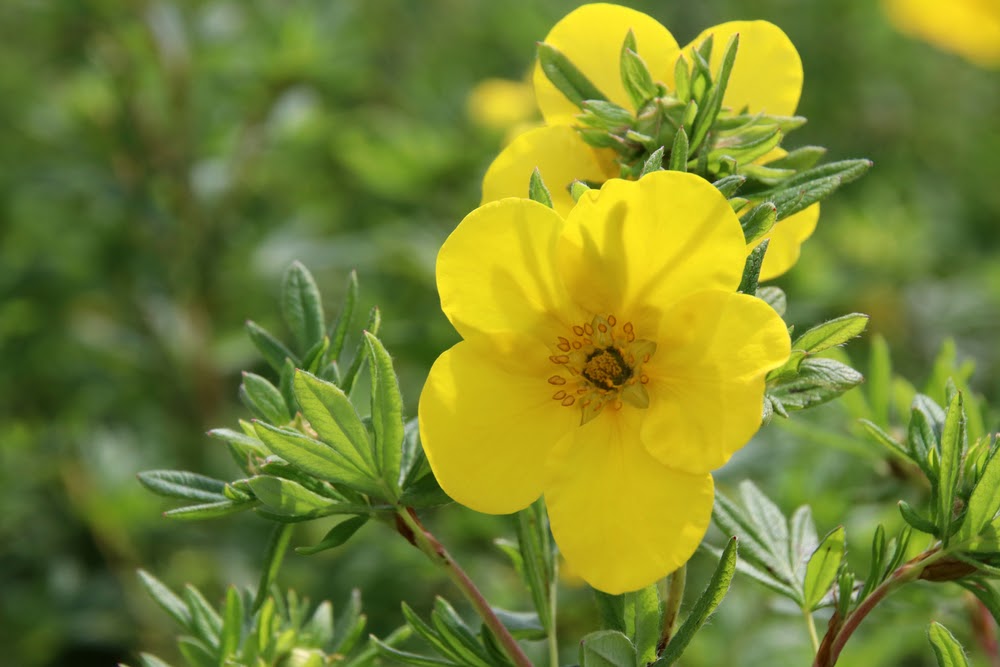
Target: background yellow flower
x=970, y=28
x=607, y=362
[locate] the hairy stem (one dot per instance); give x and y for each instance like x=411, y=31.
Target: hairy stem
x=426, y=542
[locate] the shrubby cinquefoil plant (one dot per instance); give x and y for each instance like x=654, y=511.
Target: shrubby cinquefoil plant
x=617, y=348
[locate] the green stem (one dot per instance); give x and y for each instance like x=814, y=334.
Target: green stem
x=672, y=606
x=811, y=625
x=553, y=640
x=433, y=549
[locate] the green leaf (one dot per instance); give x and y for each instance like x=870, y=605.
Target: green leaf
x=232, y=624
x=952, y=447
x=947, y=650
x=679, y=151
x=730, y=184
x=387, y=414
x=302, y=306
x=564, y=75
x=196, y=653
x=167, y=600
x=264, y=399
x=883, y=438
x=985, y=593
x=457, y=634
x=653, y=163
x=607, y=648
x=577, y=189
x=879, y=379
x=210, y=510
x=332, y=415
x=799, y=159
x=831, y=333
x=709, y=110
x=336, y=536
x=758, y=221
x=537, y=557
x=635, y=74
x=241, y=445
x=751, y=270
x=823, y=567
x=185, y=485
x=915, y=519
x=338, y=334
x=274, y=554
x=774, y=297
x=272, y=349
x=429, y=634
x=284, y=496
x=407, y=658
x=984, y=503
x=682, y=80
x=772, y=524
x=818, y=380
x=316, y=458
x=705, y=606
x=206, y=622
x=537, y=190
x=802, y=539
x=150, y=660
x=522, y=624
x=350, y=625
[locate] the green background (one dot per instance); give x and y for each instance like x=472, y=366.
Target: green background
x=161, y=163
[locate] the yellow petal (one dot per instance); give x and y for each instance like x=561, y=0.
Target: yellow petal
x=767, y=74
x=496, y=272
x=561, y=158
x=706, y=379
x=488, y=428
x=786, y=239
x=970, y=28
x=621, y=519
x=644, y=244
x=592, y=37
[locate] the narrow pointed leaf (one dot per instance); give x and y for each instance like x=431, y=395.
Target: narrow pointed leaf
x=947, y=650
x=984, y=503
x=653, y=163
x=705, y=606
x=831, y=333
x=565, y=76
x=302, y=306
x=185, y=485
x=338, y=334
x=537, y=190
x=751, y=270
x=232, y=624
x=284, y=496
x=274, y=554
x=387, y=414
x=952, y=447
x=823, y=567
x=758, y=221
x=337, y=536
x=607, y=648
x=679, y=152
x=272, y=349
x=168, y=601
x=332, y=415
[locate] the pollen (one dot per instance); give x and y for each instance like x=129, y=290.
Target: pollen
x=604, y=360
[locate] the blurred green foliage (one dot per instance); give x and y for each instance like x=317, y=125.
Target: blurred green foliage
x=162, y=162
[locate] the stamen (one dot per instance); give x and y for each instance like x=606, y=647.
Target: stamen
x=568, y=401
x=578, y=330
x=557, y=379
x=559, y=395
x=559, y=359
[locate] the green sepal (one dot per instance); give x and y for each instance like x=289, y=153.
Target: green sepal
x=823, y=567
x=758, y=221
x=682, y=80
x=679, y=151
x=729, y=185
x=604, y=115
x=564, y=75
x=751, y=269
x=799, y=159
x=653, y=163
x=831, y=333
x=706, y=604
x=302, y=306
x=577, y=189
x=537, y=190
x=636, y=79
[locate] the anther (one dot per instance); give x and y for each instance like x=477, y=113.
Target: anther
x=568, y=400
x=611, y=320
x=578, y=330
x=557, y=379
x=644, y=378
x=628, y=327
x=559, y=395
x=564, y=341
x=603, y=328
x=564, y=347
x=589, y=329
x=577, y=345
x=559, y=359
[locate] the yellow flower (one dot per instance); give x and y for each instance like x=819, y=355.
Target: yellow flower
x=502, y=104
x=767, y=77
x=970, y=28
x=607, y=362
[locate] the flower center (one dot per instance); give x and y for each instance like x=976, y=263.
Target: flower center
x=603, y=367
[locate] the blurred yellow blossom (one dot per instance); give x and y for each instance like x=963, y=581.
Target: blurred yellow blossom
x=607, y=362
x=504, y=105
x=766, y=78
x=969, y=28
